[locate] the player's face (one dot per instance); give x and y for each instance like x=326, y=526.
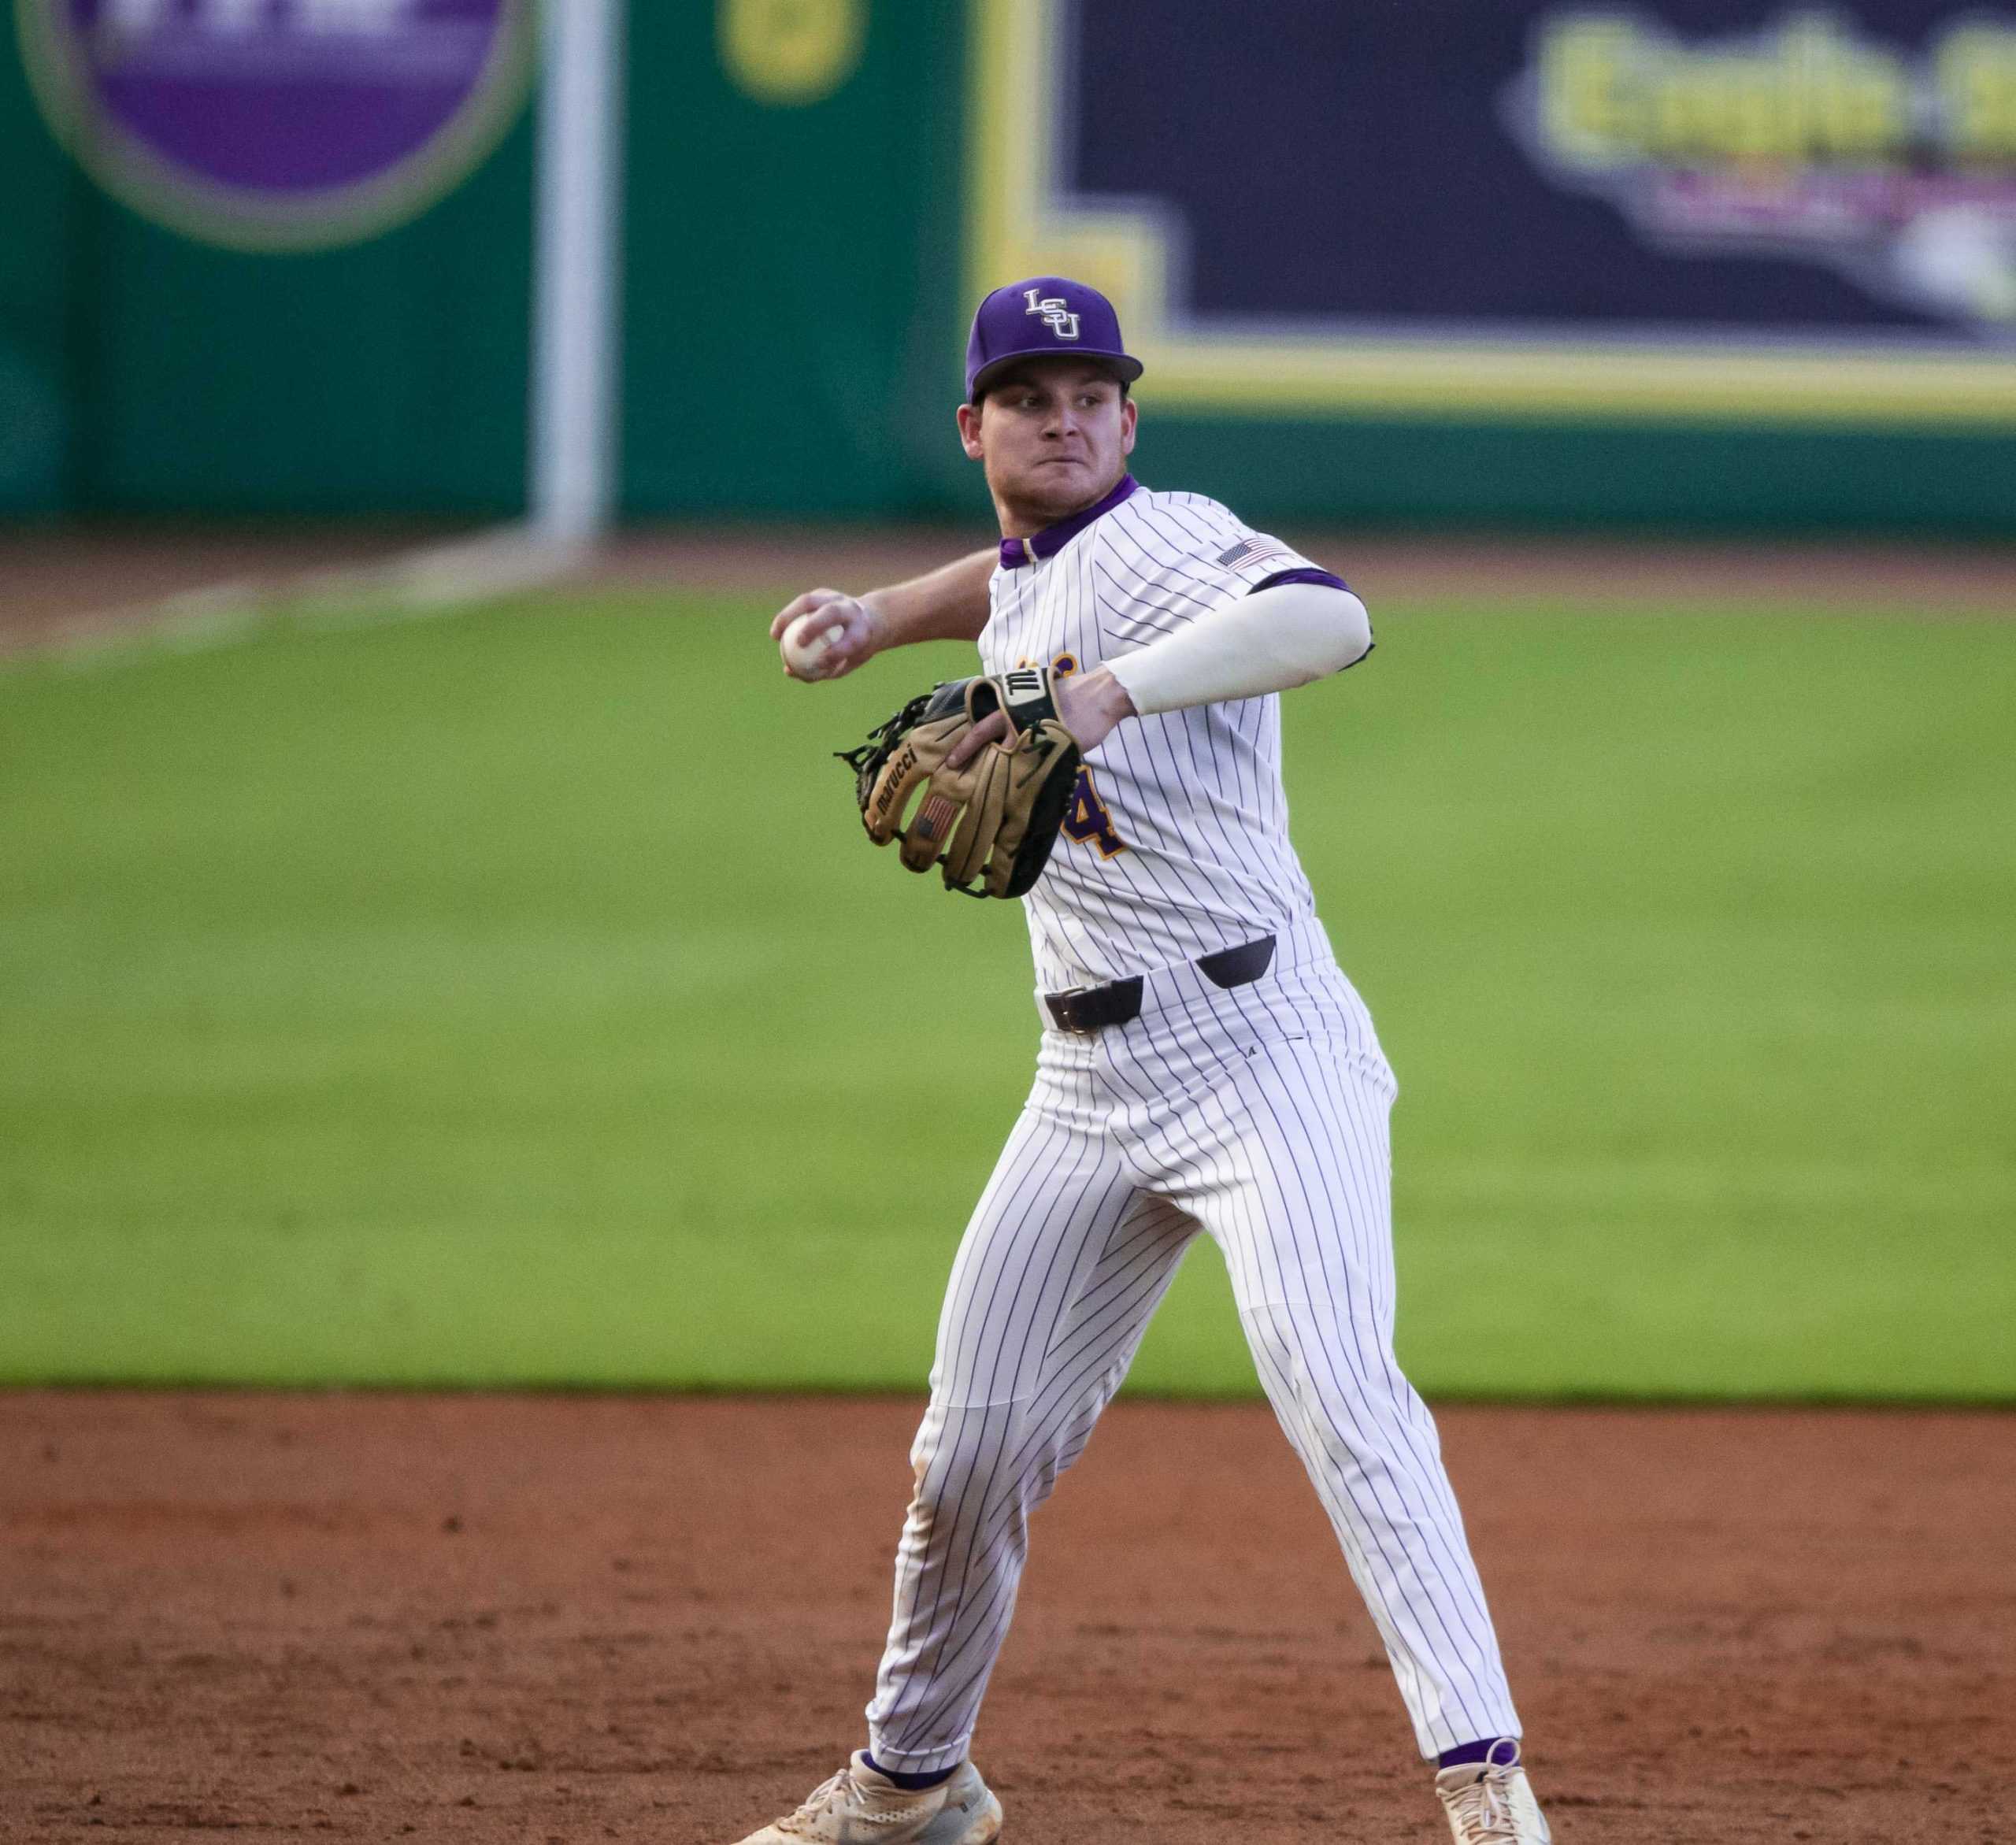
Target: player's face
x=1054, y=435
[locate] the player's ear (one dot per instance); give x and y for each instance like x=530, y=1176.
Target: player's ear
x=969, y=430
x=1129, y=416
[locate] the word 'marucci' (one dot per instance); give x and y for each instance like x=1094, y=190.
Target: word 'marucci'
x=1619, y=91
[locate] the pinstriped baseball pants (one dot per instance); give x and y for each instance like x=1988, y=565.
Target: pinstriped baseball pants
x=1259, y=1115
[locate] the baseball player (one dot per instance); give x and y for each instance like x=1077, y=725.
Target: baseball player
x=1204, y=1066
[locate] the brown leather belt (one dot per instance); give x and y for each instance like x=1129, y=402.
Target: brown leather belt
x=1092, y=1008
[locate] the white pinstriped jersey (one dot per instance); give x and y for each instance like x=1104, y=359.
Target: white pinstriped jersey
x=1177, y=843
x=1255, y=1114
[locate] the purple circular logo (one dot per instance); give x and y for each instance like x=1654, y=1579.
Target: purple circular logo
x=278, y=124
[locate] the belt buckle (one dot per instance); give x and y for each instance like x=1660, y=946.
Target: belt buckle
x=1054, y=1001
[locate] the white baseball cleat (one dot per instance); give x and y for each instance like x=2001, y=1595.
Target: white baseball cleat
x=1490, y=1803
x=858, y=1807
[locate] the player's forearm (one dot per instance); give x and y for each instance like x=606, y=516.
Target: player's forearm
x=1271, y=641
x=948, y=604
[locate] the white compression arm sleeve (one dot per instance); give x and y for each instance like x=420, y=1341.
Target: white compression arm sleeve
x=1275, y=639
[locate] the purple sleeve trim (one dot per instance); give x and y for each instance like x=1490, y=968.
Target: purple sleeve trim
x=1311, y=575
x=1307, y=574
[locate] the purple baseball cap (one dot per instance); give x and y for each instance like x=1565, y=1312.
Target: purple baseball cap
x=1043, y=318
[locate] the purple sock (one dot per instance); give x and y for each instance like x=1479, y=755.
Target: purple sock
x=1479, y=1752
x=909, y=1784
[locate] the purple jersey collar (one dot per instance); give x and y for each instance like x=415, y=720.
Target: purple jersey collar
x=1016, y=552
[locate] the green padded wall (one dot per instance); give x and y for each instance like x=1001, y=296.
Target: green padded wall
x=807, y=222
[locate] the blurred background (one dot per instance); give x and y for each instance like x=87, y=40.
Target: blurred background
x=436, y=944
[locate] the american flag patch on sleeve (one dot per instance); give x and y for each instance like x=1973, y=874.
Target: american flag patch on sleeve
x=1250, y=550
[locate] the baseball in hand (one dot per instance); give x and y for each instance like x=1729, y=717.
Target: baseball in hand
x=808, y=641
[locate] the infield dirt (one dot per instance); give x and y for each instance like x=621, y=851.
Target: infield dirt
x=488, y=1619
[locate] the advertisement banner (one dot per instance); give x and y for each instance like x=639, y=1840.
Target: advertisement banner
x=277, y=124
x=1698, y=210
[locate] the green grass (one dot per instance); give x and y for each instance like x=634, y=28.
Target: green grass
x=512, y=999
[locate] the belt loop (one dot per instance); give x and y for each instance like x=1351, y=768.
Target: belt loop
x=1239, y=966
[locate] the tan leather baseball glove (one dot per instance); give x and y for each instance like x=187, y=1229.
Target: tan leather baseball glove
x=990, y=823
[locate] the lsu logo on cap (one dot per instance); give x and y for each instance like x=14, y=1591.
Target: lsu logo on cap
x=1056, y=312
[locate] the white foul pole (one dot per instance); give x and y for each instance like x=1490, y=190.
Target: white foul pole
x=577, y=270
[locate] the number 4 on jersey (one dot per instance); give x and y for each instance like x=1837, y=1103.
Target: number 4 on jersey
x=1087, y=820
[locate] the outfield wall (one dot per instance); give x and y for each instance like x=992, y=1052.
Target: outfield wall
x=1710, y=264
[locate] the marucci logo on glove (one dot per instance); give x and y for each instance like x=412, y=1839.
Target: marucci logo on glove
x=897, y=776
